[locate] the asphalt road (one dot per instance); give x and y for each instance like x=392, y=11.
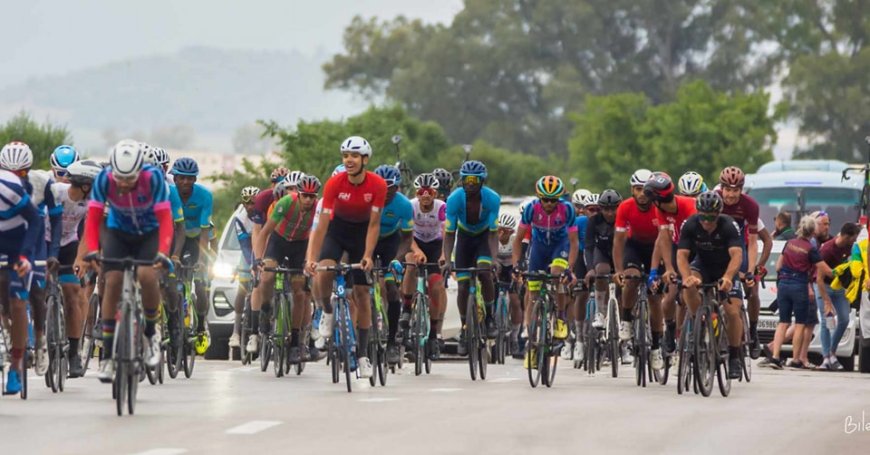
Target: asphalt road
x=227, y=408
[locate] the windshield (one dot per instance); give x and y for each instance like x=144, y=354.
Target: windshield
x=231, y=240
x=841, y=204
x=771, y=266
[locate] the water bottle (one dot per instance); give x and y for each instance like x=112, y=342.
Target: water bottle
x=715, y=324
x=830, y=321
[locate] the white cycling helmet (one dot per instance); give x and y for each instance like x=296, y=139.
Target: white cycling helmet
x=640, y=177
x=507, y=221
x=126, y=158
x=83, y=172
x=691, y=184
x=580, y=195
x=16, y=156
x=356, y=144
x=150, y=155
x=292, y=179
x=592, y=199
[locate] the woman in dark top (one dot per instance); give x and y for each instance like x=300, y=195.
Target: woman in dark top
x=794, y=268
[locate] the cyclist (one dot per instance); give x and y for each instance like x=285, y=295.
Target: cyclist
x=577, y=310
x=633, y=244
x=19, y=234
x=599, y=249
x=197, y=204
x=394, y=241
x=470, y=227
x=287, y=233
x=507, y=228
x=579, y=200
x=138, y=225
x=445, y=183
x=717, y=245
x=241, y=220
x=671, y=212
x=18, y=158
x=72, y=197
x=350, y=222
x=691, y=184
x=61, y=158
x=554, y=246
x=744, y=210
x=430, y=214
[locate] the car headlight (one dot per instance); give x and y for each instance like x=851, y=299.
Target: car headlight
x=222, y=270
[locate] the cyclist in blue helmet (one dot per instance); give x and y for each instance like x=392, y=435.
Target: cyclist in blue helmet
x=61, y=158
x=472, y=212
x=196, y=201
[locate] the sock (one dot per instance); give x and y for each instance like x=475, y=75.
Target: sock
x=432, y=325
x=73, y=347
x=753, y=328
x=151, y=317
x=656, y=339
x=362, y=346
x=255, y=321
x=294, y=338
x=734, y=352
x=393, y=310
x=406, y=303
x=489, y=308
x=626, y=315
x=671, y=326
x=108, y=338
x=515, y=331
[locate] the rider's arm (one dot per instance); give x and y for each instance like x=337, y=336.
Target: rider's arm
x=315, y=243
x=205, y=219
x=752, y=251
x=405, y=245
x=179, y=233
x=736, y=254
x=664, y=249
x=373, y=232
x=55, y=220
x=683, y=262
x=96, y=212
x=589, y=251
x=574, y=240
x=450, y=224
x=518, y=245
x=766, y=246
x=619, y=238
x=260, y=245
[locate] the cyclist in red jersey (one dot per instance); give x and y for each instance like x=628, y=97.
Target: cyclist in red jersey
x=349, y=222
x=671, y=212
x=744, y=210
x=634, y=239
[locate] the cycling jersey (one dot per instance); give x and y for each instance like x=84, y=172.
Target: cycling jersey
x=317, y=211
x=640, y=225
x=429, y=226
x=710, y=248
x=744, y=213
x=397, y=215
x=262, y=202
x=457, y=213
x=292, y=222
x=599, y=241
x=674, y=221
x=197, y=211
x=244, y=226
x=39, y=184
x=580, y=222
x=505, y=254
x=175, y=203
x=144, y=209
x=549, y=228
x=354, y=203
x=73, y=214
x=18, y=235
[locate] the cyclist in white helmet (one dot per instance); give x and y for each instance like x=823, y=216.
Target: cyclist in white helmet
x=507, y=228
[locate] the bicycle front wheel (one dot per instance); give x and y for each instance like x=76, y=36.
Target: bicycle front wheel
x=706, y=351
x=613, y=338
x=471, y=339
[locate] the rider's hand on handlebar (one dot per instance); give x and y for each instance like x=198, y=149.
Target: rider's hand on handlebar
x=691, y=281
x=725, y=284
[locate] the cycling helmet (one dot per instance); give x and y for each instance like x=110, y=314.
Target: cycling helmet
x=63, y=156
x=16, y=156
x=445, y=178
x=593, y=199
x=640, y=177
x=473, y=167
x=126, y=159
x=83, y=172
x=278, y=174
x=149, y=154
x=580, y=195
x=281, y=189
x=308, y=184
x=659, y=187
x=426, y=181
x=356, y=144
x=162, y=156
x=549, y=186
x=691, y=184
x=609, y=198
x=709, y=201
x=338, y=170
x=732, y=177
x=249, y=193
x=390, y=174
x=185, y=166
x=294, y=177
x=507, y=221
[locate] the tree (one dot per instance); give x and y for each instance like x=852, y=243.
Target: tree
x=702, y=130
x=42, y=138
x=506, y=71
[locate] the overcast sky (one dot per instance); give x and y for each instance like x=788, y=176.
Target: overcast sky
x=43, y=37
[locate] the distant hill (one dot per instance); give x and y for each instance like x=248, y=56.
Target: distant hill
x=212, y=90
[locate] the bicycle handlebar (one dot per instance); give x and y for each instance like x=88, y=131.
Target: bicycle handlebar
x=343, y=268
x=34, y=263
x=284, y=270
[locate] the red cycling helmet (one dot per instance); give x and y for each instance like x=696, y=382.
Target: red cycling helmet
x=732, y=177
x=659, y=187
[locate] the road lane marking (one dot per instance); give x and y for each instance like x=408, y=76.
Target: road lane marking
x=254, y=426
x=444, y=390
x=162, y=451
x=377, y=400
x=498, y=380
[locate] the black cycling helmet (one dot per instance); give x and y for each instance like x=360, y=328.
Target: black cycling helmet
x=708, y=202
x=659, y=187
x=609, y=198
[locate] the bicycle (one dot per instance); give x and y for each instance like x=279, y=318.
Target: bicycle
x=746, y=365
x=246, y=322
x=377, y=348
x=92, y=334
x=595, y=342
x=29, y=354
x=420, y=319
x=341, y=346
x=502, y=323
x=187, y=291
x=686, y=356
x=543, y=348
x=611, y=325
x=55, y=333
x=642, y=343
x=711, y=343
x=474, y=328
x=277, y=341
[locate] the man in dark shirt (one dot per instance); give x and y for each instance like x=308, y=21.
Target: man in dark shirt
x=782, y=225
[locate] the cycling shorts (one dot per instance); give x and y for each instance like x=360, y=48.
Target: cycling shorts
x=386, y=250
x=433, y=251
x=713, y=274
x=638, y=255
x=287, y=253
x=67, y=258
x=118, y=244
x=543, y=257
x=471, y=251
x=341, y=237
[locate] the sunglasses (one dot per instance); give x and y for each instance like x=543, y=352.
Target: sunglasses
x=308, y=195
x=426, y=191
x=608, y=209
x=547, y=200
x=708, y=217
x=61, y=172
x=471, y=180
x=592, y=209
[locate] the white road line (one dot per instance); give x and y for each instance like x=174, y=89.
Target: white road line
x=498, y=380
x=377, y=400
x=445, y=390
x=162, y=451
x=254, y=426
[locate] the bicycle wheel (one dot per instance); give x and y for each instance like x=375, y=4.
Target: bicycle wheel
x=590, y=362
x=265, y=351
x=189, y=354
x=88, y=341
x=332, y=359
x=120, y=385
x=160, y=366
x=531, y=355
x=279, y=332
x=175, y=362
x=483, y=351
x=552, y=358
x=705, y=351
x=51, y=339
x=641, y=343
x=28, y=356
x=502, y=325
x=722, y=374
x=471, y=339
x=745, y=364
x=345, y=343
x=135, y=366
x=543, y=349
x=245, y=334
x=613, y=338
x=684, y=373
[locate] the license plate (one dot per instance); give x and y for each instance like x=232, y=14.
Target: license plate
x=768, y=324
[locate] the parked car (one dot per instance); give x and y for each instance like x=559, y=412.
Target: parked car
x=223, y=292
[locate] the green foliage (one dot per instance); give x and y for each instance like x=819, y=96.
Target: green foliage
x=702, y=130
x=42, y=138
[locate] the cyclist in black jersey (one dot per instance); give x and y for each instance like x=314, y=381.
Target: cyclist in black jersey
x=599, y=249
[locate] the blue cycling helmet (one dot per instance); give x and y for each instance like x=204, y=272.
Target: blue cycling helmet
x=63, y=156
x=338, y=170
x=473, y=167
x=185, y=166
x=390, y=174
